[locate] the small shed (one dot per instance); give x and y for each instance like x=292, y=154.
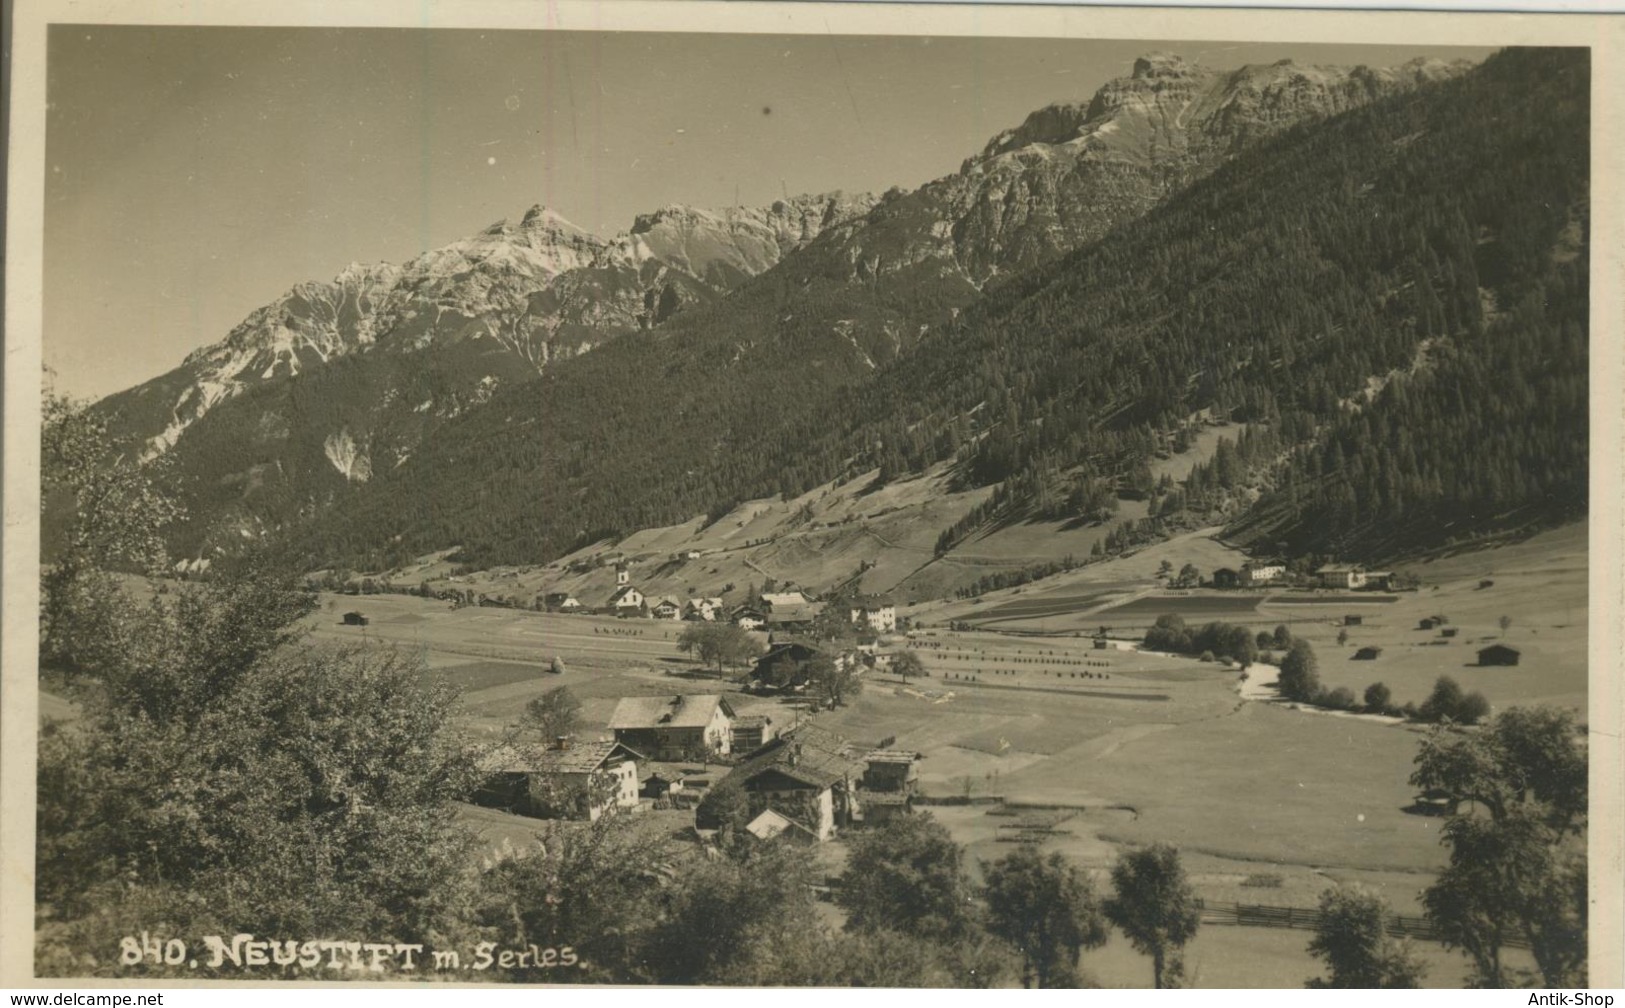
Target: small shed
x=1498, y=654
x=1352, y=620
x=1448, y=632
x=1368, y=654
x=1226, y=577
x=1427, y=624
x=354, y=619
x=1101, y=643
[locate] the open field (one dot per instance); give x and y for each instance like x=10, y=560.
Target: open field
x=1539, y=583
x=1091, y=750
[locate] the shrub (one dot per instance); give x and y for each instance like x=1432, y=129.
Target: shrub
x=1207, y=656
x=1444, y=702
x=1378, y=697
x=1473, y=709
x=1341, y=698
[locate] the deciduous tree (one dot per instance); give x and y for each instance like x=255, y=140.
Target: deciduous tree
x=1155, y=907
x=1352, y=939
x=1048, y=910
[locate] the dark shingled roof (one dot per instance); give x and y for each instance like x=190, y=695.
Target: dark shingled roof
x=809, y=754
x=581, y=757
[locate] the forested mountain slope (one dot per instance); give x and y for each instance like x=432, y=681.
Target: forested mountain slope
x=321, y=390
x=1411, y=235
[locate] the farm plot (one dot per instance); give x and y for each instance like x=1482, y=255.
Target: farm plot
x=1059, y=604
x=1258, y=783
x=1191, y=607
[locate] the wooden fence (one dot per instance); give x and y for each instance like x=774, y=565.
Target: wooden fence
x=1304, y=919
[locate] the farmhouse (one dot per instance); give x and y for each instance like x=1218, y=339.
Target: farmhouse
x=1347, y=576
x=627, y=601
x=808, y=776
x=567, y=779
x=748, y=618
x=774, y=600
x=560, y=602
x=792, y=616
x=879, y=614
x=666, y=608
x=354, y=619
x=702, y=609
x=785, y=663
x=685, y=726
x=1498, y=654
x=1254, y=575
x=1378, y=580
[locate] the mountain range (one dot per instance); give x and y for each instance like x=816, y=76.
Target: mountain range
x=737, y=352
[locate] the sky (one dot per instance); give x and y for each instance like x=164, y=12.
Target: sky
x=196, y=173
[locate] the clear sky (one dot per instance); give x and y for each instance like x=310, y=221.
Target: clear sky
x=195, y=173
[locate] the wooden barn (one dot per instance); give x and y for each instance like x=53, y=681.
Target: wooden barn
x=1498, y=654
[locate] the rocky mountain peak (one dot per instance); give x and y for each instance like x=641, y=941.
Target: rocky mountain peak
x=1161, y=64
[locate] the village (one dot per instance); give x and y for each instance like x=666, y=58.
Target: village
x=1029, y=716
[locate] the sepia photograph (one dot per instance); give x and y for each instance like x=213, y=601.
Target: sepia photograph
x=800, y=499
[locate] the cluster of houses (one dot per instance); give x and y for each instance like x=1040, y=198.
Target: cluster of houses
x=805, y=783
x=1269, y=574
x=789, y=611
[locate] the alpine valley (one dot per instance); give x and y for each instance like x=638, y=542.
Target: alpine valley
x=1336, y=311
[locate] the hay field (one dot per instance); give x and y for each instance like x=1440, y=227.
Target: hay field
x=1541, y=584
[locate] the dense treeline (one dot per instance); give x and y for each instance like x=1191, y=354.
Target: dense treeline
x=1270, y=293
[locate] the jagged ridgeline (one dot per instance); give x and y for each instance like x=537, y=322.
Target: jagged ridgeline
x=1431, y=244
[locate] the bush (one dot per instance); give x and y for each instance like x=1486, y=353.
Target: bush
x=1207, y=656
x=1341, y=698
x=1378, y=697
x=1444, y=702
x=1474, y=708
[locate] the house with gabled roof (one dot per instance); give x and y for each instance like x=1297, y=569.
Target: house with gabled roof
x=707, y=609
x=793, y=616
x=809, y=775
x=773, y=600
x=681, y=727
x=749, y=618
x=563, y=779
x=771, y=825
x=666, y=608
x=1341, y=575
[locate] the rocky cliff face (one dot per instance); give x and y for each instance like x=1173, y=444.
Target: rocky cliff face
x=1074, y=170
x=534, y=291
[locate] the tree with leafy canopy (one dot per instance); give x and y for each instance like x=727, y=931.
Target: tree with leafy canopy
x=553, y=714
x=1351, y=938
x=1300, y=672
x=717, y=644
x=907, y=874
x=1154, y=906
x=833, y=681
x=1378, y=698
x=1521, y=866
x=1047, y=909
x=101, y=511
x=906, y=664
x=312, y=792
